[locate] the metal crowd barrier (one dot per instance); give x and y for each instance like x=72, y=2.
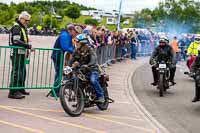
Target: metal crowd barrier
x=35, y=71
x=108, y=52
x=146, y=47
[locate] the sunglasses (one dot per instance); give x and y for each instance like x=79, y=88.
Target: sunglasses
x=26, y=20
x=162, y=42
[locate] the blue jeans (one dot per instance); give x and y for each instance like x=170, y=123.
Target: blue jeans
x=133, y=51
x=57, y=75
x=94, y=79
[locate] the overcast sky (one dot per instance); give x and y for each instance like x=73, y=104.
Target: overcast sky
x=127, y=5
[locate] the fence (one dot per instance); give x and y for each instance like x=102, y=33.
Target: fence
x=37, y=71
x=108, y=53
x=34, y=72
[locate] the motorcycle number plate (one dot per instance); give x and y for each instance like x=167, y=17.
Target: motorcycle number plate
x=67, y=70
x=162, y=66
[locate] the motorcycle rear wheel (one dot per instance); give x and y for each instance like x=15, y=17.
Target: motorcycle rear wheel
x=104, y=106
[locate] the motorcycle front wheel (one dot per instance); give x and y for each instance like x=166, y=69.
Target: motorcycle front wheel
x=161, y=84
x=72, y=100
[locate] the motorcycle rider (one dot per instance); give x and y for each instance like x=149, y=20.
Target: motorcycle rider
x=85, y=55
x=195, y=69
x=163, y=52
x=192, y=50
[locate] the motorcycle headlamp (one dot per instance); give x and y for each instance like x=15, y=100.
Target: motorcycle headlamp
x=67, y=70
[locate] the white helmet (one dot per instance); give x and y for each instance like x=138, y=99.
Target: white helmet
x=164, y=39
x=197, y=38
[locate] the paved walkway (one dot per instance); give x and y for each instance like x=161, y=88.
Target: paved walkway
x=39, y=114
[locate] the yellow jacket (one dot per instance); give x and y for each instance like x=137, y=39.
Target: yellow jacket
x=192, y=49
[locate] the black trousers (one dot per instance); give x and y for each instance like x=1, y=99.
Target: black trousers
x=197, y=86
x=18, y=73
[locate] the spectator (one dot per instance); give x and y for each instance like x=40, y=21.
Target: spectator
x=63, y=42
x=133, y=46
x=19, y=37
x=174, y=45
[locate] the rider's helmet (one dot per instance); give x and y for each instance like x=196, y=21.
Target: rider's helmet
x=163, y=39
x=82, y=39
x=197, y=38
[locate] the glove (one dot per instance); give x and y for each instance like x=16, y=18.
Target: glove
x=152, y=61
x=84, y=66
x=29, y=46
x=75, y=64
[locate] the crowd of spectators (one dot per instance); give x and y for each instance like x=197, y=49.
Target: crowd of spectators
x=120, y=44
x=42, y=31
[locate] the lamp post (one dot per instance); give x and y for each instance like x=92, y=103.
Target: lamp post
x=119, y=15
x=52, y=11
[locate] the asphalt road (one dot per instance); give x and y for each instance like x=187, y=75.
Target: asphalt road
x=175, y=110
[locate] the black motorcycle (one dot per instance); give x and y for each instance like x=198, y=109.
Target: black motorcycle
x=163, y=77
x=77, y=93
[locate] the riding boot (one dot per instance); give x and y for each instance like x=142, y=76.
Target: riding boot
x=197, y=95
x=155, y=76
x=172, y=74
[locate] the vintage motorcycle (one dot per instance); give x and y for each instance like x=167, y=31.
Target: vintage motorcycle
x=163, y=77
x=77, y=93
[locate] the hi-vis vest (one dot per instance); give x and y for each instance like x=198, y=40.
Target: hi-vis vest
x=25, y=39
x=192, y=50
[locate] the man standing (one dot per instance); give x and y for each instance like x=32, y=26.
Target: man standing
x=63, y=42
x=19, y=37
x=134, y=43
x=175, y=47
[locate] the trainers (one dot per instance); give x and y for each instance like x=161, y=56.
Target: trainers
x=173, y=83
x=154, y=83
x=16, y=95
x=195, y=99
x=23, y=92
x=100, y=100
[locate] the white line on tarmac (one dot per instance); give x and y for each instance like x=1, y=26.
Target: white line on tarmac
x=60, y=111
x=21, y=127
x=120, y=123
x=52, y=120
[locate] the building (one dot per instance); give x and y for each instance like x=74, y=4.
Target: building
x=101, y=13
x=111, y=20
x=85, y=13
x=128, y=14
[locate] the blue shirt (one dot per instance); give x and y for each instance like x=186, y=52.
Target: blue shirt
x=63, y=42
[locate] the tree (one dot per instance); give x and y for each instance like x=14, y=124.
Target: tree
x=91, y=22
x=171, y=15
x=47, y=21
x=73, y=12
